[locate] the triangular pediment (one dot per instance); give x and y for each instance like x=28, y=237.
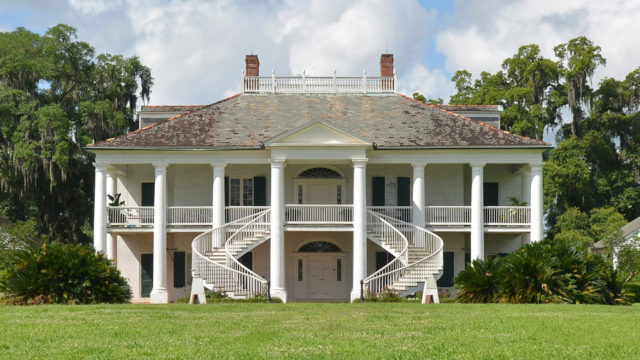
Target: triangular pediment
x=316, y=134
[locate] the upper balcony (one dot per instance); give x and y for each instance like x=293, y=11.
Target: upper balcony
x=439, y=218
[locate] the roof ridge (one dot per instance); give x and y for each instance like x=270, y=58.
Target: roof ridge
x=474, y=121
x=163, y=122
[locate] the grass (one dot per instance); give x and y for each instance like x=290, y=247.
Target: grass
x=370, y=330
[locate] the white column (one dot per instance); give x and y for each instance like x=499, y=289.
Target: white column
x=276, y=262
x=477, y=211
x=418, y=195
x=111, y=190
x=100, y=209
x=159, y=294
x=359, y=225
x=218, y=201
x=536, y=202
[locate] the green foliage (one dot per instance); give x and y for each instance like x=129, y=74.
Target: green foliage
x=633, y=289
x=478, y=283
x=15, y=238
x=54, y=273
x=114, y=200
x=551, y=271
x=421, y=98
x=56, y=96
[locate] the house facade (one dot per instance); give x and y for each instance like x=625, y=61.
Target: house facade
x=312, y=189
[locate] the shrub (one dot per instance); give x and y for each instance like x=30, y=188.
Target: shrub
x=633, y=290
x=56, y=273
x=479, y=283
x=551, y=271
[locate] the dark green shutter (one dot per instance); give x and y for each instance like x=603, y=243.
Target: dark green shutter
x=382, y=259
x=148, y=194
x=260, y=191
x=377, y=191
x=490, y=194
x=404, y=191
x=467, y=259
x=226, y=191
x=146, y=275
x=179, y=266
x=446, y=280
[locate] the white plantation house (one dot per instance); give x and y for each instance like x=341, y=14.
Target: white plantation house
x=313, y=189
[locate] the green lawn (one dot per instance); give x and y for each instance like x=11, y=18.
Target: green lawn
x=372, y=330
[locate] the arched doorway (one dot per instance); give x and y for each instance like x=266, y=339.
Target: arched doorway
x=319, y=185
x=320, y=272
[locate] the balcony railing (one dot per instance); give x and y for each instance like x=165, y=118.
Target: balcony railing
x=448, y=215
x=402, y=213
x=130, y=215
x=142, y=216
x=318, y=214
x=507, y=215
x=318, y=84
x=233, y=213
x=189, y=215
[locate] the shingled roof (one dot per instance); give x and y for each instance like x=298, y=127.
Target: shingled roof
x=246, y=121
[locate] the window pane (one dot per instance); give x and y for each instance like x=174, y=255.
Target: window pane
x=339, y=269
x=299, y=194
x=247, y=192
x=339, y=195
x=234, y=192
x=299, y=269
x=390, y=190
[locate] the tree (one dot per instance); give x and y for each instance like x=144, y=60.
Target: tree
x=56, y=96
x=527, y=87
x=579, y=59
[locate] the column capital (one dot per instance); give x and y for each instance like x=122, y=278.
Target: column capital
x=278, y=162
x=102, y=167
x=419, y=164
x=477, y=164
x=359, y=162
x=159, y=166
x=218, y=164
x=536, y=166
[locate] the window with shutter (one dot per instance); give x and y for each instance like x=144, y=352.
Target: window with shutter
x=404, y=191
x=377, y=191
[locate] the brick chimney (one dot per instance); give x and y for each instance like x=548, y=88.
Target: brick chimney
x=386, y=65
x=253, y=65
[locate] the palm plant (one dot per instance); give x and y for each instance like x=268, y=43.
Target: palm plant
x=479, y=283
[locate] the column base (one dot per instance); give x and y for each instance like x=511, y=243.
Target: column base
x=279, y=293
x=159, y=296
x=355, y=293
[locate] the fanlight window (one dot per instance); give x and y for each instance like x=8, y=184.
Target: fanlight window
x=319, y=173
x=319, y=246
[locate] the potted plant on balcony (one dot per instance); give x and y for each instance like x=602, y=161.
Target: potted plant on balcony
x=114, y=201
x=518, y=215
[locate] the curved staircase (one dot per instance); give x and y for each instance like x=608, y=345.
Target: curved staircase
x=216, y=252
x=417, y=252
x=418, y=257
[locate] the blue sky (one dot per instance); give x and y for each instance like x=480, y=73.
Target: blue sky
x=196, y=48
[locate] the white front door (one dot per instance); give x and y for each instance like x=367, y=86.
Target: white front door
x=321, y=277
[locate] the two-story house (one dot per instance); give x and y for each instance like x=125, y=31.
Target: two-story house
x=313, y=189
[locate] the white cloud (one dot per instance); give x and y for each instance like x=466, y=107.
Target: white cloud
x=196, y=49
x=93, y=7
x=432, y=84
x=482, y=34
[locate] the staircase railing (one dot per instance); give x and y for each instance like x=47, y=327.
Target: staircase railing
x=396, y=269
x=393, y=238
x=232, y=278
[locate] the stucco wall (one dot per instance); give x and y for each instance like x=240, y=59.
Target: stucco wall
x=131, y=246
